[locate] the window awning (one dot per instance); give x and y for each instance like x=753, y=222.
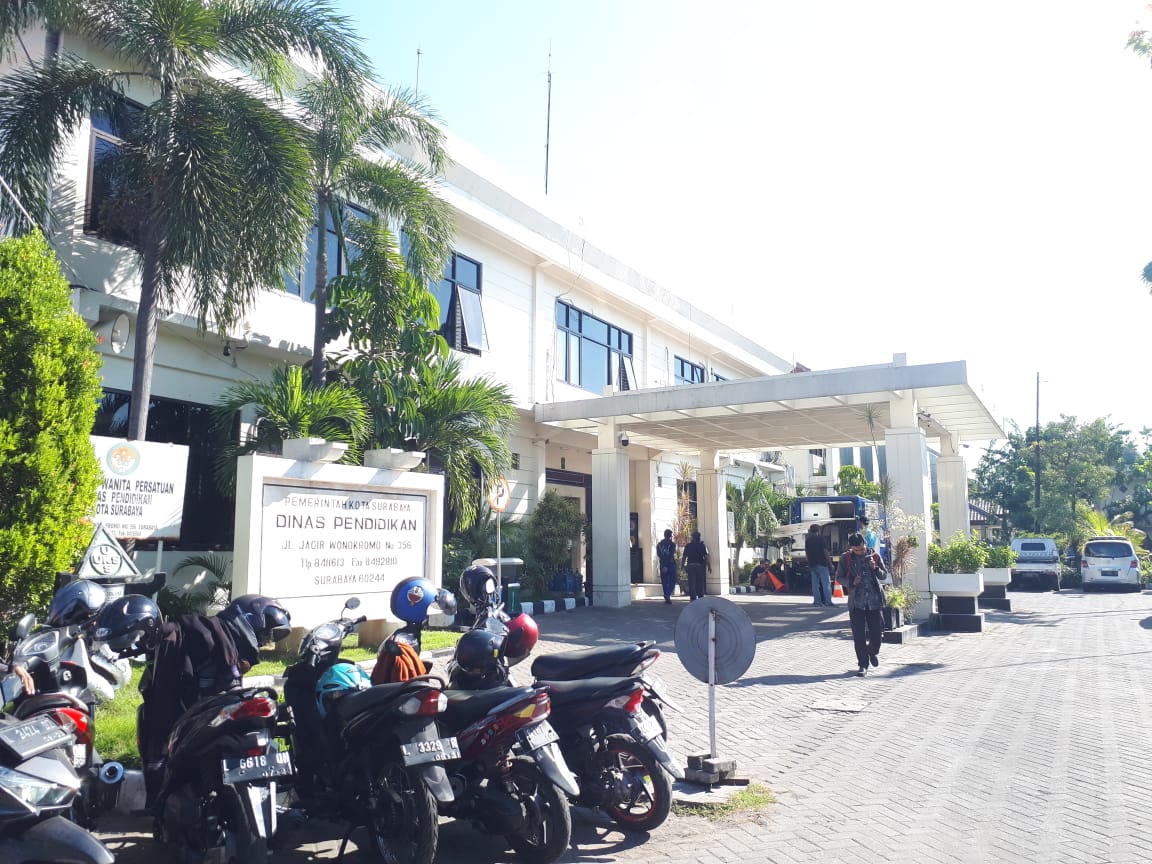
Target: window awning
x=828, y=408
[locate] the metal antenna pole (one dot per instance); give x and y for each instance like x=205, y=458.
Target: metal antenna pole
x=548, y=122
x=418, y=53
x=712, y=683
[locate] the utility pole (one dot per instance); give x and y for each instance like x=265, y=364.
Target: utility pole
x=1036, y=517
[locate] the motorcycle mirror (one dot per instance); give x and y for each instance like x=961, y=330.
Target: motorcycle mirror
x=352, y=603
x=23, y=627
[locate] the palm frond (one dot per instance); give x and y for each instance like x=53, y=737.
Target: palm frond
x=397, y=117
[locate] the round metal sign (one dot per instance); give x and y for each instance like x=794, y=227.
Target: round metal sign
x=735, y=639
x=499, y=495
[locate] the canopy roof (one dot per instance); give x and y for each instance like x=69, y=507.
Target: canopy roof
x=805, y=409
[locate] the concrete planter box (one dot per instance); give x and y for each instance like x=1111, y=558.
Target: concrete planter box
x=313, y=450
x=957, y=584
x=393, y=459
x=996, y=575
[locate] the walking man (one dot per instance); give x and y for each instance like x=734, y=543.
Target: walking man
x=819, y=565
x=666, y=555
x=696, y=561
x=860, y=572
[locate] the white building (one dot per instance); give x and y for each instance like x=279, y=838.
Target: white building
x=594, y=354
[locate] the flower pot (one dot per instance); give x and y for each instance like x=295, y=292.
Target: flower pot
x=997, y=575
x=893, y=617
x=956, y=584
x=313, y=450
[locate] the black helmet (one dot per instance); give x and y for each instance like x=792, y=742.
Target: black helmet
x=477, y=586
x=478, y=652
x=129, y=624
x=267, y=617
x=76, y=603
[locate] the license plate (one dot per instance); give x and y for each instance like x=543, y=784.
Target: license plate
x=34, y=736
x=114, y=591
x=1113, y=573
x=438, y=750
x=271, y=763
x=656, y=684
x=644, y=727
x=537, y=736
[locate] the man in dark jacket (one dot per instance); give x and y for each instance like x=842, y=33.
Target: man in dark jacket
x=819, y=565
x=666, y=555
x=861, y=572
x=696, y=562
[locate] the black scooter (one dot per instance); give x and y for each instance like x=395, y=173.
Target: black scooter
x=37, y=787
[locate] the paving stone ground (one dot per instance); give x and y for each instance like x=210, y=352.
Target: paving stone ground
x=1024, y=743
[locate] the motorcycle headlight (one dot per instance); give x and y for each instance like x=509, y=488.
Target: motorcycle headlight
x=34, y=792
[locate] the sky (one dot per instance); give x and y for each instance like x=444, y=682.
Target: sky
x=840, y=180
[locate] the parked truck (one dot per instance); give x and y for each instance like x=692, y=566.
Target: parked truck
x=1037, y=563
x=837, y=515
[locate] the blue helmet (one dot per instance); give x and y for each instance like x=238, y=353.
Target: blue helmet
x=341, y=678
x=411, y=599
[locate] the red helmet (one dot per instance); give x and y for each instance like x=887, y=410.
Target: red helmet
x=521, y=639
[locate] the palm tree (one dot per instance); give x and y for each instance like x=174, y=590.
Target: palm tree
x=212, y=180
x=751, y=511
x=341, y=126
x=288, y=407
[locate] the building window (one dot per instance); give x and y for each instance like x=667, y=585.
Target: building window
x=686, y=491
x=515, y=461
x=688, y=372
x=208, y=516
x=302, y=283
x=107, y=213
x=590, y=353
x=459, y=294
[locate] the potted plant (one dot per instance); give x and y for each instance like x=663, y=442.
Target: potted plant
x=998, y=570
x=901, y=599
x=957, y=568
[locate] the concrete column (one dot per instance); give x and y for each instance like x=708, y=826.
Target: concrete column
x=952, y=479
x=540, y=448
x=712, y=519
x=908, y=473
x=611, y=585
x=644, y=482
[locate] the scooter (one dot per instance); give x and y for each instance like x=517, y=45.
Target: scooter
x=217, y=799
x=37, y=787
x=376, y=757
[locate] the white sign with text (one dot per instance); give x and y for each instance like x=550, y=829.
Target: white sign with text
x=323, y=541
x=142, y=496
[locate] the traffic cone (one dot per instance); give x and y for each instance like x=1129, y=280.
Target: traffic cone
x=837, y=591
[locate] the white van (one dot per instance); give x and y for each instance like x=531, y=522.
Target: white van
x=1109, y=561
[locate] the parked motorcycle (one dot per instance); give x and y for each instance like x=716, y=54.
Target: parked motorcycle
x=372, y=756
x=621, y=762
x=478, y=587
x=37, y=788
x=511, y=779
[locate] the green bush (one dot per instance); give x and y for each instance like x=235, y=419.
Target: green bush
x=961, y=555
x=49, y=388
x=554, y=526
x=1000, y=556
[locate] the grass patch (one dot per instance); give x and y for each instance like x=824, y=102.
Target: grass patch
x=751, y=797
x=433, y=640
x=116, y=724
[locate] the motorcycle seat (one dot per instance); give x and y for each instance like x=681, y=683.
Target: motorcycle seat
x=589, y=689
x=33, y=705
x=467, y=706
x=584, y=662
x=374, y=698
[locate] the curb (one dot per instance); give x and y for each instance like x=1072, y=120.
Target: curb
x=547, y=607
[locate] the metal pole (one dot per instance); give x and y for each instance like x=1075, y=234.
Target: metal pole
x=548, y=123
x=712, y=683
x=1036, y=518
x=499, y=579
x=159, y=554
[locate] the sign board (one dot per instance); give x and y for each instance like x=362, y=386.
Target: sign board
x=499, y=495
x=321, y=541
x=142, y=496
x=105, y=559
